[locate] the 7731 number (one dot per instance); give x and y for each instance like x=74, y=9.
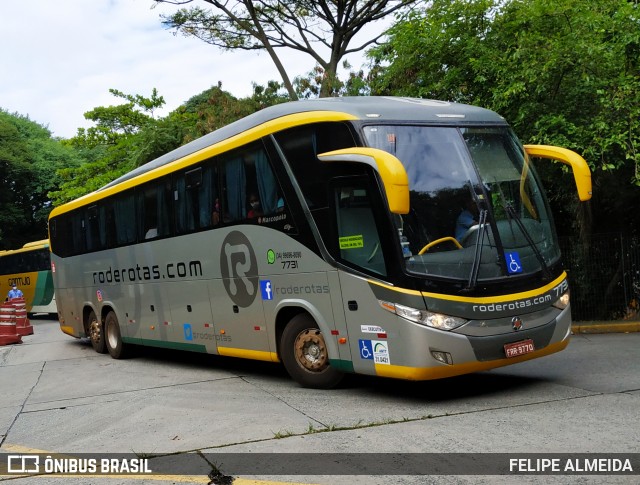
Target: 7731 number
x=292, y=264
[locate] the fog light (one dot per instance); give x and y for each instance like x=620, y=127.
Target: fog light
x=444, y=357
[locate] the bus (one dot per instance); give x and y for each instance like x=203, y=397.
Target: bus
x=30, y=269
x=321, y=234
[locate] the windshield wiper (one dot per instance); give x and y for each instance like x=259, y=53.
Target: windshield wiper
x=477, y=255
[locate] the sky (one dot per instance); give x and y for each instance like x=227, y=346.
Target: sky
x=58, y=59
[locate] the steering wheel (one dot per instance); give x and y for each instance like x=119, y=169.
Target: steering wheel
x=439, y=241
x=469, y=234
x=373, y=253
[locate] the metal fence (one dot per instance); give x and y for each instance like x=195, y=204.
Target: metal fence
x=604, y=276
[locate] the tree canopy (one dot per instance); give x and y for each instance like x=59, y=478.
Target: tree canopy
x=563, y=72
x=29, y=161
x=323, y=29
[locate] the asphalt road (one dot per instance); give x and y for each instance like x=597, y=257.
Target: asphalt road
x=60, y=397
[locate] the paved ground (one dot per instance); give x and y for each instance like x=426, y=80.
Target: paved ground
x=62, y=397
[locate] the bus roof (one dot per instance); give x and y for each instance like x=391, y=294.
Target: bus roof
x=30, y=246
x=372, y=108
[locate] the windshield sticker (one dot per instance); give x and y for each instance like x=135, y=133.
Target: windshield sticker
x=513, y=262
x=351, y=242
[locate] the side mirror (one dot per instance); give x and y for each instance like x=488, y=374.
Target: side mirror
x=581, y=172
x=393, y=175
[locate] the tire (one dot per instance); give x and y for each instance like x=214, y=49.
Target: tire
x=305, y=356
x=117, y=349
x=96, y=333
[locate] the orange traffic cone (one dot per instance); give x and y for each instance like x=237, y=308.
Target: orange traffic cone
x=23, y=326
x=8, y=333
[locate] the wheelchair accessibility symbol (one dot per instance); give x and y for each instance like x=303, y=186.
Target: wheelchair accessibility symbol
x=366, y=349
x=513, y=263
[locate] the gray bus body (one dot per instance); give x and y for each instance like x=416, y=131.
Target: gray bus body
x=324, y=277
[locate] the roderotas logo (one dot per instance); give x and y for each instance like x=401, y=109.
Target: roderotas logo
x=239, y=269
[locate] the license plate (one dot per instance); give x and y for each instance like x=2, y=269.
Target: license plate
x=519, y=348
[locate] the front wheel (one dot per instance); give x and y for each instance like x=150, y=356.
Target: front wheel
x=305, y=356
x=115, y=346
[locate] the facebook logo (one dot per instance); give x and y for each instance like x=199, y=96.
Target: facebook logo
x=266, y=290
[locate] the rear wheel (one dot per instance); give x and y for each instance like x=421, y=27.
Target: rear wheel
x=115, y=346
x=96, y=333
x=305, y=356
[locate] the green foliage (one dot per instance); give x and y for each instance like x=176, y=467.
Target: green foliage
x=563, y=72
x=216, y=108
x=29, y=159
x=125, y=136
x=317, y=80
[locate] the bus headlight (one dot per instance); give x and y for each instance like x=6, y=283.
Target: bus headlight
x=562, y=302
x=424, y=317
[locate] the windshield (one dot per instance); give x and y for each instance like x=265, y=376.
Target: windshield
x=477, y=209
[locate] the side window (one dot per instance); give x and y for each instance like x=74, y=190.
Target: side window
x=195, y=198
x=358, y=235
x=154, y=202
x=250, y=187
x=78, y=229
x=121, y=217
x=59, y=236
x=94, y=240
x=301, y=146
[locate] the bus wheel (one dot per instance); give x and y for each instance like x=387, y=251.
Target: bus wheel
x=305, y=356
x=96, y=334
x=115, y=346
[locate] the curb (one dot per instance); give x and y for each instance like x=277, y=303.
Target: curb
x=605, y=327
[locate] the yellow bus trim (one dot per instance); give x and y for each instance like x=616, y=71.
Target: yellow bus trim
x=440, y=372
x=500, y=298
x=236, y=141
x=68, y=330
x=477, y=300
x=394, y=288
x=248, y=354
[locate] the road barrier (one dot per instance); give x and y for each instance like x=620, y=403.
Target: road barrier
x=8, y=331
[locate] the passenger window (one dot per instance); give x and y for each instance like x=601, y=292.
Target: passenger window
x=123, y=218
x=195, y=195
x=94, y=242
x=154, y=203
x=249, y=185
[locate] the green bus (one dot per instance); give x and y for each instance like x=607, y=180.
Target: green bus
x=29, y=268
x=327, y=235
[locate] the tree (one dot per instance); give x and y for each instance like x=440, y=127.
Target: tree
x=302, y=25
x=564, y=72
x=29, y=159
x=127, y=136
x=113, y=146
